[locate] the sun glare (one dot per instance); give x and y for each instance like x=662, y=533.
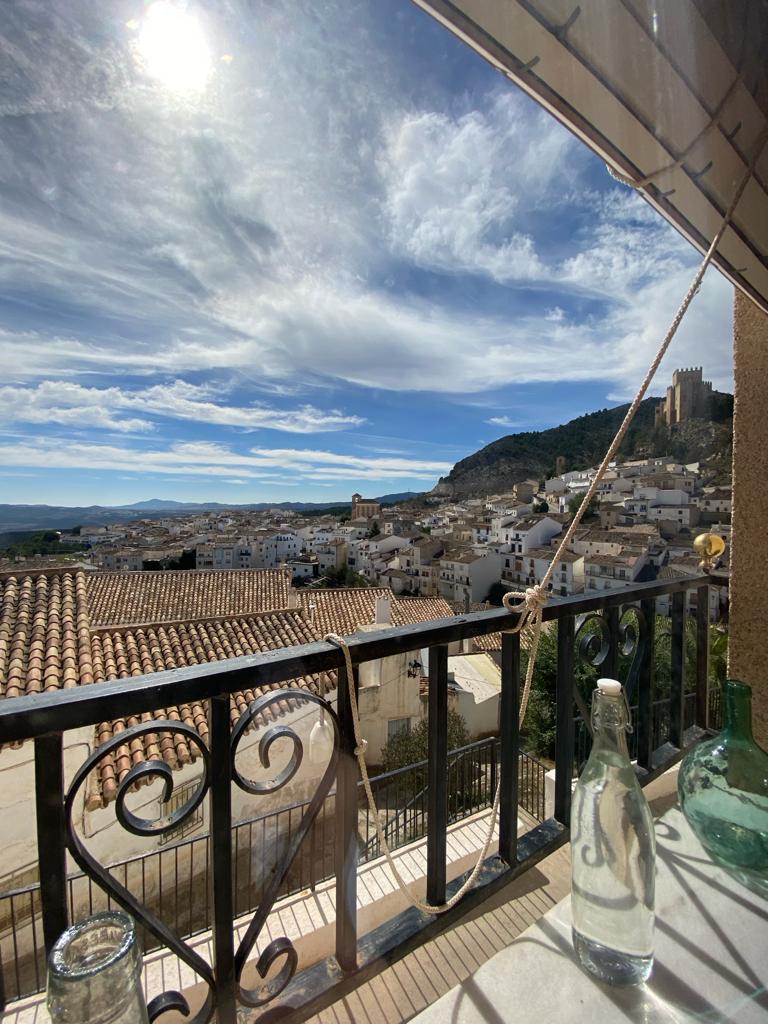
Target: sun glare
x=172, y=47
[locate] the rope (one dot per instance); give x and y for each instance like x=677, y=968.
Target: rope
x=361, y=745
x=531, y=602
x=624, y=179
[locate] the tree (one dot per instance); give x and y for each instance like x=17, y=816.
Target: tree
x=496, y=594
x=407, y=748
x=374, y=531
x=344, y=577
x=540, y=506
x=574, y=502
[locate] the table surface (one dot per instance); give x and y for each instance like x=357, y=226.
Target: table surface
x=710, y=960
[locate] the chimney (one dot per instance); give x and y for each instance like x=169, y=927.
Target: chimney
x=383, y=613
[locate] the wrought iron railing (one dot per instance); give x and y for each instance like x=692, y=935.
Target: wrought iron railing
x=45, y=718
x=174, y=880
x=402, y=795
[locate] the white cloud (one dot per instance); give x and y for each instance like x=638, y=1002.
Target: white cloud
x=72, y=405
x=454, y=187
x=206, y=458
x=501, y=421
x=253, y=233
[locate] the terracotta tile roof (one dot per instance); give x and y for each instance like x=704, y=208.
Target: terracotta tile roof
x=44, y=633
x=126, y=598
x=343, y=611
x=121, y=653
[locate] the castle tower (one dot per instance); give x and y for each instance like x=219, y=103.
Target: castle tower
x=687, y=397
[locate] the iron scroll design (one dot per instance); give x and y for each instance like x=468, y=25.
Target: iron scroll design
x=280, y=948
x=595, y=639
x=145, y=771
x=634, y=638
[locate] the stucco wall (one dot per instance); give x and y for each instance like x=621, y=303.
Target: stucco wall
x=749, y=554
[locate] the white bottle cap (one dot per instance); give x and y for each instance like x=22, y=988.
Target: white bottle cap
x=609, y=686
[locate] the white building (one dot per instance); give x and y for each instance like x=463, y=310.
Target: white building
x=520, y=535
x=529, y=569
x=468, y=576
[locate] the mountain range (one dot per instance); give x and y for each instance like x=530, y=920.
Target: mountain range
x=63, y=517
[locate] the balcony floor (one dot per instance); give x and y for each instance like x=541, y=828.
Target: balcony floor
x=402, y=990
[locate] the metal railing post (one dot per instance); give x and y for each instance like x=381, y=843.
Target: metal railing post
x=345, y=850
x=437, y=773
x=610, y=667
x=221, y=858
x=645, y=688
x=677, y=688
x=566, y=634
x=702, y=657
x=509, y=728
x=51, y=835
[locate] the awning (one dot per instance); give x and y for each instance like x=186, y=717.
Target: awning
x=671, y=90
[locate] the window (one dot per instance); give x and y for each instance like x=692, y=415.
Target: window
x=398, y=727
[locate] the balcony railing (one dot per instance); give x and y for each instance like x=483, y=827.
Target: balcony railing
x=174, y=881
x=622, y=624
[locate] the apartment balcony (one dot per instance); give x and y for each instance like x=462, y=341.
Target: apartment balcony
x=248, y=966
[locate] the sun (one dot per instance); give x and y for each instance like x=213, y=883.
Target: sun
x=172, y=48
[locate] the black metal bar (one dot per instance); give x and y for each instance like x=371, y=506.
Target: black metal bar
x=51, y=835
x=509, y=730
x=677, y=687
x=566, y=633
x=27, y=717
x=437, y=774
x=221, y=856
x=702, y=657
x=346, y=833
x=610, y=667
x=645, y=690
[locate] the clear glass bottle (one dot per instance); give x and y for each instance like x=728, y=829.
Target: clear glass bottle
x=613, y=852
x=94, y=973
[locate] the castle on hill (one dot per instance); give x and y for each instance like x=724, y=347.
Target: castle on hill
x=688, y=397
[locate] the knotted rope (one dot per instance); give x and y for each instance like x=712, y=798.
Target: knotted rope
x=531, y=602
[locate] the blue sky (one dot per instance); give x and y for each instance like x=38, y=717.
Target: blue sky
x=287, y=250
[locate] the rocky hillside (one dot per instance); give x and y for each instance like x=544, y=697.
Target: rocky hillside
x=583, y=442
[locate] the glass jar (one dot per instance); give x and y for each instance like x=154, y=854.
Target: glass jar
x=94, y=973
x=723, y=791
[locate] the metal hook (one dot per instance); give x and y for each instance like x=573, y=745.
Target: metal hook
x=700, y=174
x=531, y=64
x=562, y=30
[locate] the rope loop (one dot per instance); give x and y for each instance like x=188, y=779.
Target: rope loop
x=361, y=745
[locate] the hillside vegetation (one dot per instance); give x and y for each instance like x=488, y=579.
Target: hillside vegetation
x=583, y=442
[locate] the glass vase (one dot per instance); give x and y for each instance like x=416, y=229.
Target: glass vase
x=723, y=790
x=94, y=973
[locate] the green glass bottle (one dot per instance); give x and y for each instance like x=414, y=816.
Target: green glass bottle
x=723, y=790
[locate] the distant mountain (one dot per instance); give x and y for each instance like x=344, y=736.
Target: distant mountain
x=159, y=504
x=62, y=517
x=583, y=442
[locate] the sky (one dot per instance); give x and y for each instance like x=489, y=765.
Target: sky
x=262, y=250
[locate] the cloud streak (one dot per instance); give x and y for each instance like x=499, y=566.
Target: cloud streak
x=69, y=404
x=205, y=458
